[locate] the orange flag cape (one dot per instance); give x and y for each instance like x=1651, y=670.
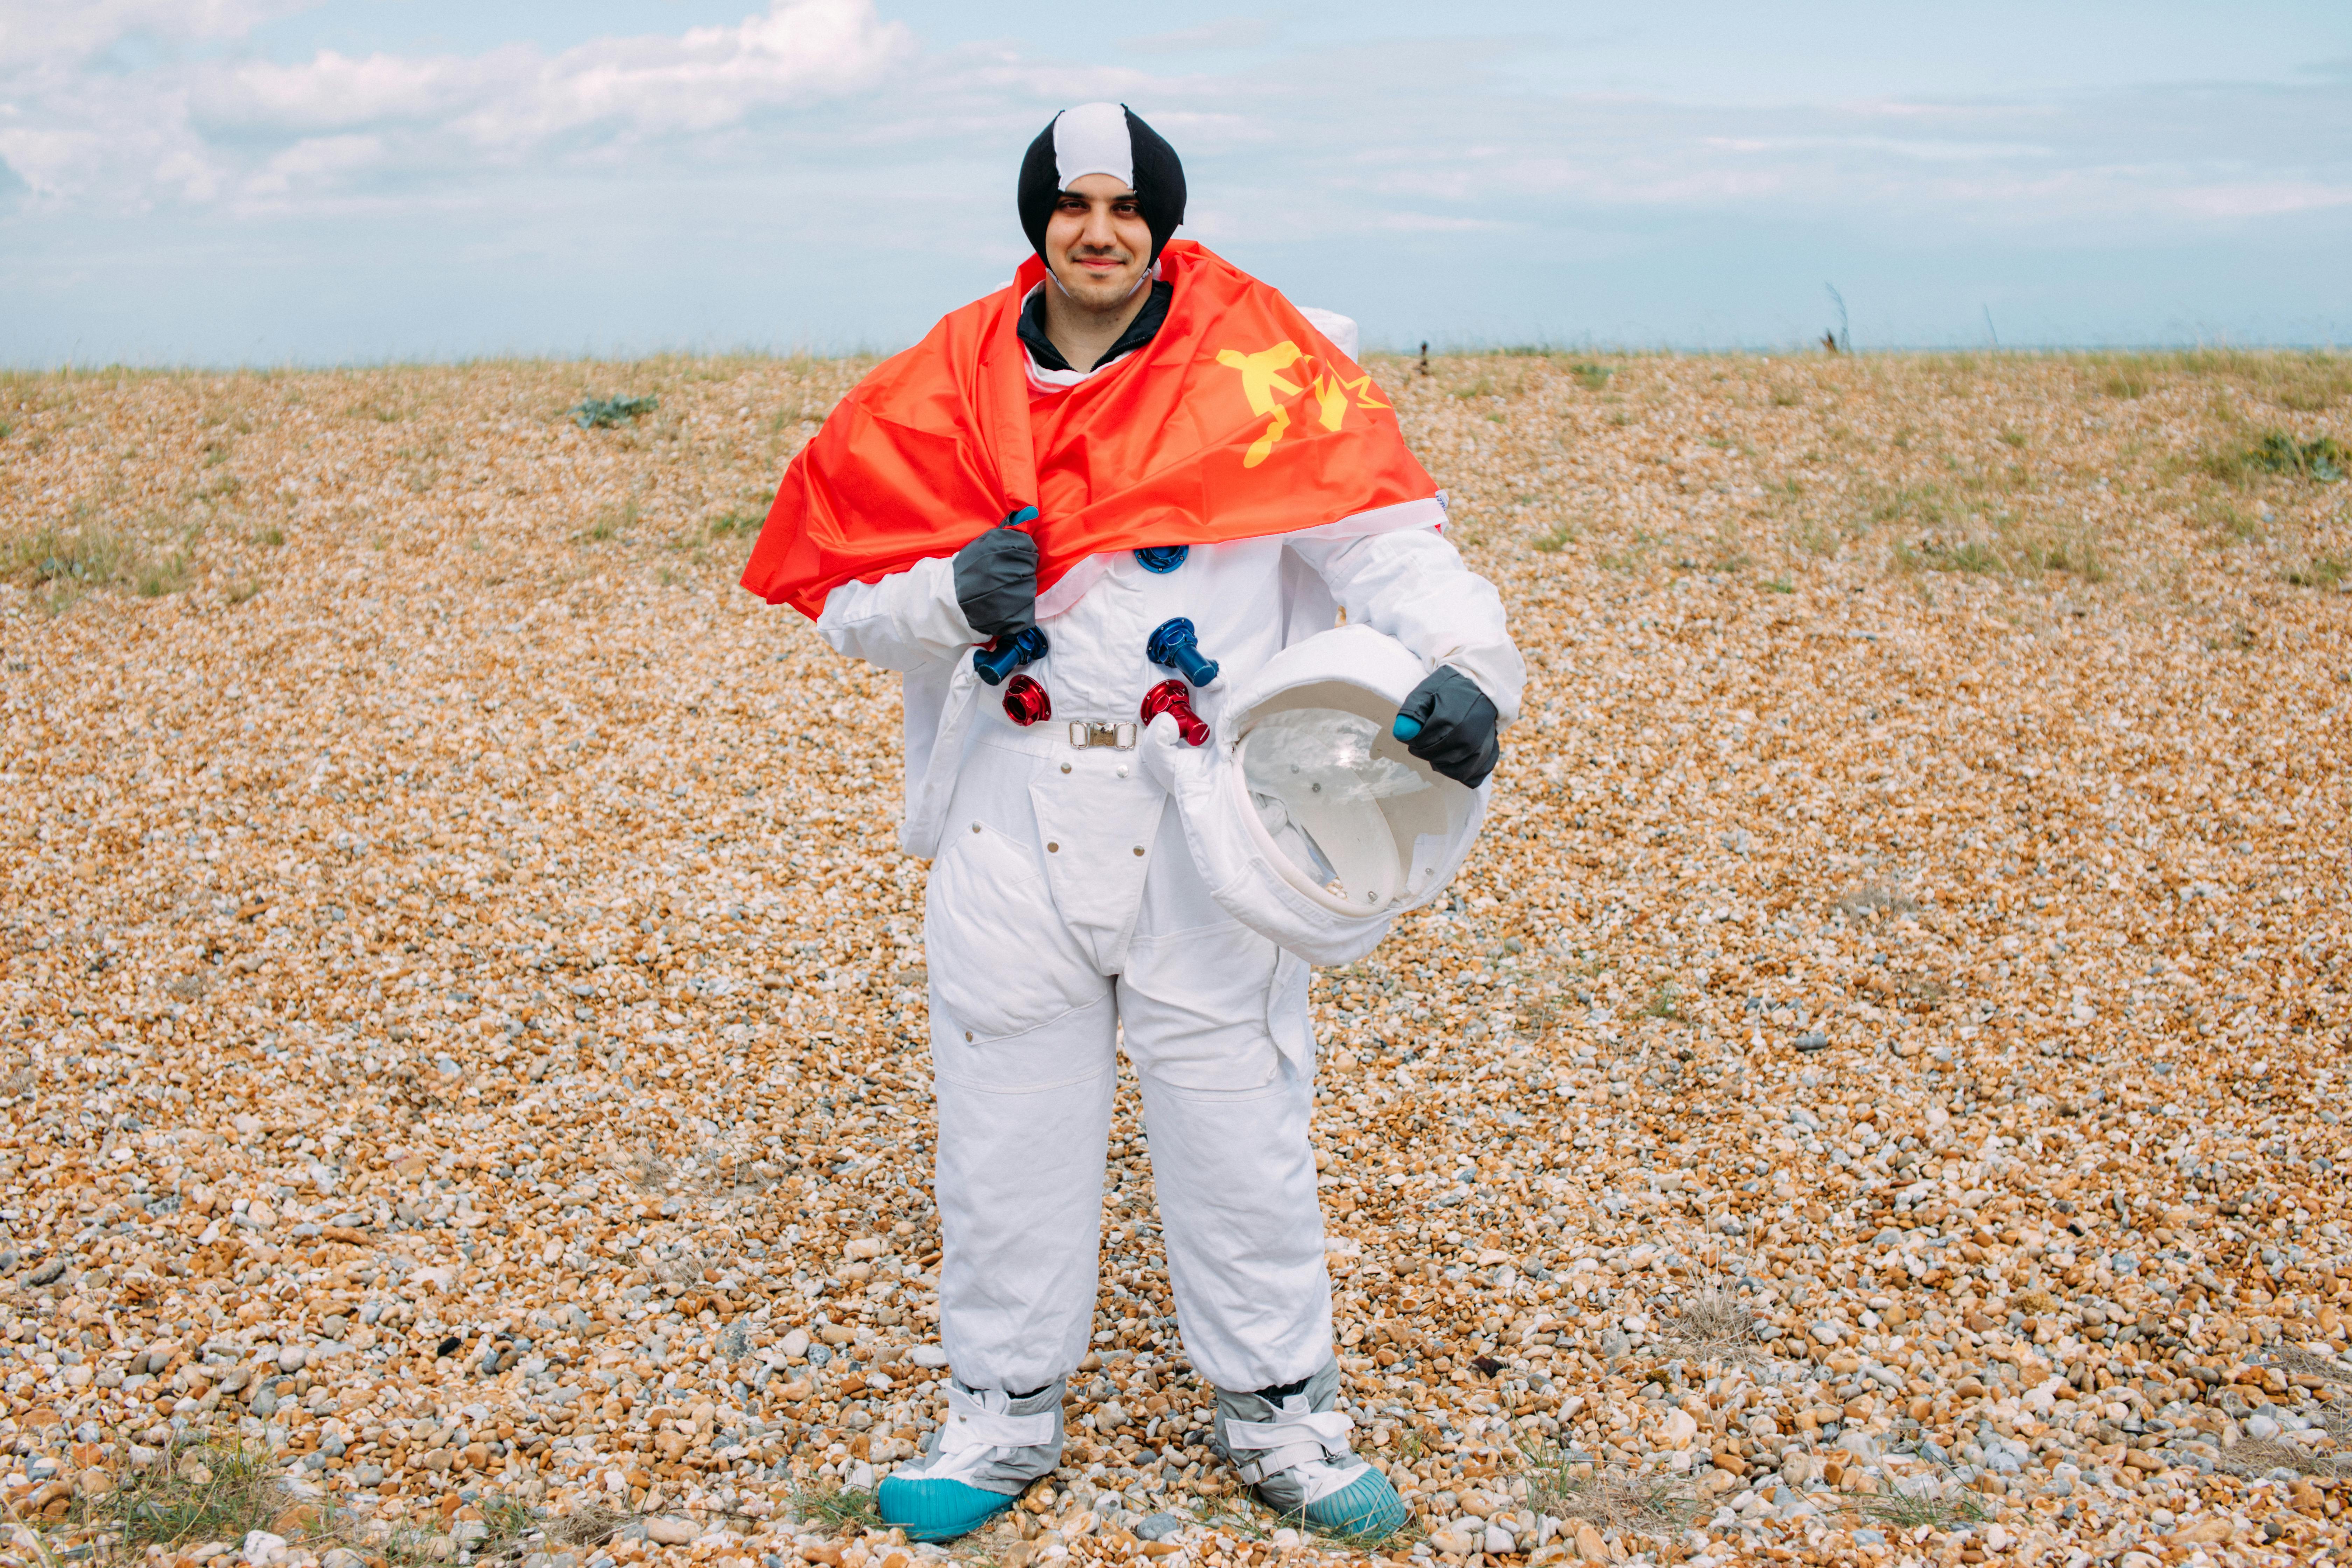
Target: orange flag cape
x=1237, y=420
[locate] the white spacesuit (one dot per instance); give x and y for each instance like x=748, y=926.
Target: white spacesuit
x=1062, y=906
x=1068, y=915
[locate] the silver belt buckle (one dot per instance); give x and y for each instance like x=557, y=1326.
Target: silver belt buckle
x=1084, y=732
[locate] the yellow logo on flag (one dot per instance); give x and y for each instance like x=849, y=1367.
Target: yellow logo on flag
x=1267, y=388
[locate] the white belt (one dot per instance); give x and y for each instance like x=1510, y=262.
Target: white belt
x=1085, y=733
x=1057, y=737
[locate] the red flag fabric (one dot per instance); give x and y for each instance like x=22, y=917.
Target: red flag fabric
x=1237, y=420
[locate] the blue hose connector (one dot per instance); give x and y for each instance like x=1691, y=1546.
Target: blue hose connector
x=1005, y=654
x=1174, y=646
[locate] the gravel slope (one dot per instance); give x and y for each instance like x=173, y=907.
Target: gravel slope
x=1875, y=1096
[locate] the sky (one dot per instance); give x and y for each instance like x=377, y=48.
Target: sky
x=273, y=182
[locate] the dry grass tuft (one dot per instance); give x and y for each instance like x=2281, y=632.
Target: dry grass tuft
x=590, y=1524
x=1875, y=899
x=1714, y=1325
x=2296, y=1361
x=1938, y=1505
x=2258, y=1456
x=210, y=1492
x=1569, y=1488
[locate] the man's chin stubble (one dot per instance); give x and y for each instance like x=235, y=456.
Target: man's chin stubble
x=1097, y=297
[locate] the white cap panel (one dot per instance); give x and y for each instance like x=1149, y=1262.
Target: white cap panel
x=1093, y=139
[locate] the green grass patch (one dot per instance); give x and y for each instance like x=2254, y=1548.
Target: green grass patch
x=1905, y=1511
x=600, y=413
x=158, y=575
x=509, y=1520
x=215, y=1491
x=841, y=1508
x=2319, y=571
x=2323, y=457
x=2305, y=382
x=2075, y=552
x=2322, y=460
x=2230, y=522
x=1969, y=555
x=86, y=556
x=609, y=522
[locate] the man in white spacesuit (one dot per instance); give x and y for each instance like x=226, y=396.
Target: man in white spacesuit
x=1063, y=908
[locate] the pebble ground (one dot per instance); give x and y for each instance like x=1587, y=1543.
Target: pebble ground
x=1875, y=1096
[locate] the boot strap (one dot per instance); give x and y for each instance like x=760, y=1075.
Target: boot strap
x=1264, y=1448
x=971, y=1424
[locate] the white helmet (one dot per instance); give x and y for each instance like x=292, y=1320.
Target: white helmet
x=1312, y=824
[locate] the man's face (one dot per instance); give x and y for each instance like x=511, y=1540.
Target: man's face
x=1097, y=242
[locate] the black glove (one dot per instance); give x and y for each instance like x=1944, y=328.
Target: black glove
x=996, y=578
x=1450, y=724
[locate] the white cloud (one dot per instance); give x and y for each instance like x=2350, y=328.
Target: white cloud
x=332, y=91
x=314, y=161
x=65, y=32
x=129, y=149
x=2261, y=198
x=271, y=133
x=703, y=79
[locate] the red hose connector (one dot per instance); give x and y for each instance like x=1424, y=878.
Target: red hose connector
x=1026, y=701
x=1174, y=698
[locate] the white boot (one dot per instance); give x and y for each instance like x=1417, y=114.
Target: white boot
x=1293, y=1449
x=984, y=1454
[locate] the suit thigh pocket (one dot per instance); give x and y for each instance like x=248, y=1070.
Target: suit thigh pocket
x=1195, y=1004
x=1001, y=960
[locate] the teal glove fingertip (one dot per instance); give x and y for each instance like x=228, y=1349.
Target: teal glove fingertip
x=1405, y=729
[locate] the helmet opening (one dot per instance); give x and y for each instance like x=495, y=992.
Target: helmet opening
x=1350, y=818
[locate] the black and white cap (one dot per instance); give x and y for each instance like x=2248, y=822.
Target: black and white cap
x=1102, y=138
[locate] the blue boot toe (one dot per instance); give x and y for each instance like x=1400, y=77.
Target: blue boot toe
x=1367, y=1507
x=930, y=1509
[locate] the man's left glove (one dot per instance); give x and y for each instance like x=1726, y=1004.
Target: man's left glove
x=1450, y=724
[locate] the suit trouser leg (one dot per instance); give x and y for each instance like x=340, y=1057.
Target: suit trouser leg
x=1020, y=1196
x=1226, y=1111
x=1023, y=1059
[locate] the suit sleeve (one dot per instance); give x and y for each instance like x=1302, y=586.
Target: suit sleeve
x=1412, y=584
x=905, y=621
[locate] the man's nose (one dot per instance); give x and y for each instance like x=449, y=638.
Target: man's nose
x=1099, y=231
